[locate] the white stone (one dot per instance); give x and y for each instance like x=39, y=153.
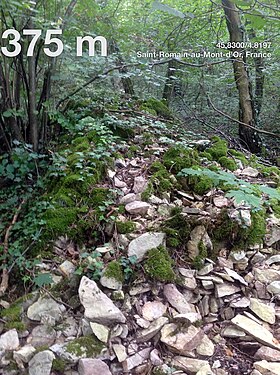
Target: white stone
x=118, y=183
x=110, y=282
x=140, y=184
x=206, y=347
x=274, y=287
x=257, y=331
x=138, y=358
x=250, y=172
x=152, y=330
x=100, y=331
x=67, y=268
x=92, y=366
x=181, y=340
x=262, y=310
x=191, y=365
x=226, y=289
x=120, y=352
x=24, y=354
x=9, y=340
x=153, y=310
x=41, y=363
x=45, y=307
x=128, y=198
x=142, y=244
x=98, y=307
x=177, y=299
x=137, y=208
x=267, y=368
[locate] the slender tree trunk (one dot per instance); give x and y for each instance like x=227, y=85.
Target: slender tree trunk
x=169, y=83
x=248, y=136
x=259, y=64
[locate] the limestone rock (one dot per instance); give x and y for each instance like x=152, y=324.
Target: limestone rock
x=138, y=358
x=274, y=287
x=100, y=331
x=147, y=241
x=197, y=235
x=250, y=172
x=137, y=208
x=91, y=366
x=98, y=307
x=153, y=310
x=41, y=363
x=267, y=368
x=67, y=268
x=152, y=330
x=42, y=335
x=177, y=299
x=182, y=340
x=226, y=289
x=206, y=347
x=9, y=340
x=110, y=282
x=257, y=331
x=191, y=365
x=140, y=184
x=265, y=312
x=128, y=198
x=24, y=354
x=269, y=354
x=120, y=352
x=45, y=307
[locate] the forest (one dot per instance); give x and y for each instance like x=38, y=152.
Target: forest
x=139, y=187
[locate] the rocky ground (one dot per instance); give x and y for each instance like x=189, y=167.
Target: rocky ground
x=219, y=318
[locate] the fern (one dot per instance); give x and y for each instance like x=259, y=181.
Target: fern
x=245, y=192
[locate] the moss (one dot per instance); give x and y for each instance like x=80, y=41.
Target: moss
x=161, y=182
x=274, y=203
x=177, y=229
x=12, y=313
x=156, y=107
x=125, y=227
x=80, y=144
x=256, y=232
x=85, y=347
x=206, y=155
x=198, y=261
x=228, y=163
x=147, y=192
x=238, y=155
x=158, y=265
x=60, y=220
x=19, y=326
x=218, y=149
x=177, y=158
x=214, y=168
x=58, y=364
x=132, y=151
x=203, y=185
x=114, y=270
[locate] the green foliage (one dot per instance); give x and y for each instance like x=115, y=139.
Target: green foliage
x=43, y=279
x=199, y=260
x=203, y=185
x=218, y=149
x=243, y=191
x=156, y=107
x=115, y=271
x=124, y=227
x=85, y=347
x=158, y=265
x=227, y=163
x=59, y=365
x=176, y=158
x=177, y=229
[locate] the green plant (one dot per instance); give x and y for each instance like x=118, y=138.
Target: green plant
x=158, y=265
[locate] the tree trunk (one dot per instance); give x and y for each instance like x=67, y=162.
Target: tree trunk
x=248, y=136
x=169, y=83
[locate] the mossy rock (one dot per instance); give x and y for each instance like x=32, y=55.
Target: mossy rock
x=218, y=149
x=85, y=347
x=59, y=221
x=228, y=163
x=114, y=270
x=59, y=365
x=158, y=265
x=177, y=229
x=203, y=185
x=177, y=158
x=199, y=260
x=124, y=227
x=206, y=155
x=239, y=155
x=156, y=107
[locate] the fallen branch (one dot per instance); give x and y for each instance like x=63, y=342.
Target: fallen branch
x=240, y=122
x=5, y=273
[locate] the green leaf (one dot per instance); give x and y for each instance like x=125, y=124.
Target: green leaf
x=272, y=193
x=241, y=196
x=43, y=279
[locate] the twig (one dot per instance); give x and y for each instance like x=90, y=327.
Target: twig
x=240, y=122
x=5, y=273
